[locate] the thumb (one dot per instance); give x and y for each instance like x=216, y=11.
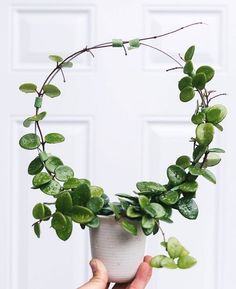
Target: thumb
x=100, y=277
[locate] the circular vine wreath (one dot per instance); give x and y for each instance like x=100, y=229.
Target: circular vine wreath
x=76, y=200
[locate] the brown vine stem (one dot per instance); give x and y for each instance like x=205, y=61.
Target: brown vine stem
x=59, y=67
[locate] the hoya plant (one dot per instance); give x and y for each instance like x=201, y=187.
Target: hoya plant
x=78, y=202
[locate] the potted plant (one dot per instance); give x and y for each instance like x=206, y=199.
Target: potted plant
x=120, y=228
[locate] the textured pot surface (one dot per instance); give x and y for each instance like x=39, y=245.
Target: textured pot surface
x=120, y=251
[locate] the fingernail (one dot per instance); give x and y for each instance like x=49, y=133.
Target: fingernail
x=93, y=265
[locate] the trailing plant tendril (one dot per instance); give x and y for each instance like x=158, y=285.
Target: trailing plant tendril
x=77, y=201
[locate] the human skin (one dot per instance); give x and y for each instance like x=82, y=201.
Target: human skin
x=100, y=277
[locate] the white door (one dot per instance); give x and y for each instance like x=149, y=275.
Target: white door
x=123, y=122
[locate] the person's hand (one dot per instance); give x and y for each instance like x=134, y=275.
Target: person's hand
x=100, y=277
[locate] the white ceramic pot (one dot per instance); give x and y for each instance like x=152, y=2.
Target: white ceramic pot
x=120, y=251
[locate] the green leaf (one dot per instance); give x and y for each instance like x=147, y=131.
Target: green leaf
x=204, y=133
x=59, y=221
x=148, y=222
x=54, y=138
x=198, y=152
x=195, y=170
x=156, y=261
x=128, y=227
x=43, y=156
x=28, y=87
x=96, y=191
x=216, y=150
x=66, y=233
x=150, y=211
x=38, y=117
x=174, y=248
x=94, y=223
x=41, y=179
x=72, y=183
x=159, y=210
x=176, y=174
x=183, y=162
x=189, y=187
x=37, y=229
x=116, y=208
x=189, y=53
x=95, y=204
x=29, y=141
x=51, y=90
x=143, y=201
x=132, y=212
x=168, y=263
x=199, y=81
x=47, y=214
x=52, y=188
x=81, y=195
x=64, y=202
x=209, y=176
x=82, y=215
x=150, y=187
x=187, y=94
x=184, y=82
x=67, y=64
x=170, y=197
x=207, y=70
x=63, y=173
x=186, y=262
x=188, y=67
x=52, y=163
x=212, y=160
x=35, y=166
x=216, y=113
x=188, y=208
x=55, y=58
x=198, y=118
x=38, y=211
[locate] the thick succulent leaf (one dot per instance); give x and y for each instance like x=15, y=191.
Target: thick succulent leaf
x=187, y=94
x=186, y=262
x=129, y=227
x=29, y=141
x=170, y=197
x=28, y=87
x=52, y=188
x=64, y=202
x=82, y=215
x=37, y=229
x=63, y=173
x=51, y=90
x=38, y=211
x=66, y=233
x=188, y=208
x=95, y=204
x=40, y=179
x=54, y=138
x=52, y=163
x=176, y=174
x=81, y=195
x=189, y=53
x=205, y=133
x=35, y=166
x=59, y=221
x=207, y=70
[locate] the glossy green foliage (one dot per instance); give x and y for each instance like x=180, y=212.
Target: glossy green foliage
x=63, y=173
x=54, y=138
x=35, y=166
x=29, y=141
x=51, y=90
x=176, y=174
x=81, y=215
x=28, y=87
